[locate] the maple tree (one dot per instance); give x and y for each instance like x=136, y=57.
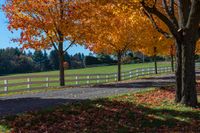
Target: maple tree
x=182, y=19
x=43, y=24
x=113, y=29
x=108, y=30
x=153, y=43
x=158, y=47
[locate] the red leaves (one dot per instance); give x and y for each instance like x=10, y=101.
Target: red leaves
x=155, y=98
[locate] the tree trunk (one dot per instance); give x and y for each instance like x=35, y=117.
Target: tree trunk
x=172, y=62
x=189, y=94
x=172, y=58
x=185, y=29
x=119, y=66
x=155, y=63
x=155, y=60
x=178, y=73
x=61, y=62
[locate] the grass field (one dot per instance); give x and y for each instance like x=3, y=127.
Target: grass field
x=151, y=110
x=93, y=70
x=98, y=70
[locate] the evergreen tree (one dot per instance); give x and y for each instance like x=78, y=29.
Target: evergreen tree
x=38, y=58
x=54, y=60
x=46, y=63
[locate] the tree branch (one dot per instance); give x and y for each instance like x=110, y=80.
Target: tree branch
x=170, y=11
x=54, y=45
x=167, y=35
x=72, y=43
x=193, y=22
x=184, y=7
x=153, y=10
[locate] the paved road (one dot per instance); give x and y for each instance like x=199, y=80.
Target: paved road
x=28, y=102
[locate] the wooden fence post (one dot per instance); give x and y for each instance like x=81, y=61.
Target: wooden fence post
x=98, y=79
x=76, y=80
x=47, y=80
x=106, y=78
x=142, y=72
x=130, y=74
x=6, y=85
x=88, y=81
x=28, y=83
x=137, y=74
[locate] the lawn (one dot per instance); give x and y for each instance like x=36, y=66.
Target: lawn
x=152, y=110
x=98, y=70
x=93, y=70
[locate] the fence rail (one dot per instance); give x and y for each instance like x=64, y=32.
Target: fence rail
x=21, y=83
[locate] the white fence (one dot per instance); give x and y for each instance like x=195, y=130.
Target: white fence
x=21, y=83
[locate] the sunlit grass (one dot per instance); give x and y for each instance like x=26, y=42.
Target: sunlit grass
x=94, y=70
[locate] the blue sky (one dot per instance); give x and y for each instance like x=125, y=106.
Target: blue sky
x=6, y=36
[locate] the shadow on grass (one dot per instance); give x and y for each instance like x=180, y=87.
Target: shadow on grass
x=138, y=84
x=103, y=115
x=20, y=105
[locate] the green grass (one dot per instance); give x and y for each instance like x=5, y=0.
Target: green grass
x=99, y=70
x=152, y=110
x=93, y=70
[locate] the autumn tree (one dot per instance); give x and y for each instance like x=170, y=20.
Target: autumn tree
x=43, y=24
x=108, y=30
x=182, y=18
x=153, y=44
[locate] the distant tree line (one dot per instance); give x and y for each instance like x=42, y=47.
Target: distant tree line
x=13, y=60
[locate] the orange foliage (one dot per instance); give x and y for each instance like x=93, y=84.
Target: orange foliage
x=108, y=27
x=153, y=42
x=41, y=22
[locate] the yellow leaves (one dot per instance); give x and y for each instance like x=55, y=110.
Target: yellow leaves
x=113, y=26
x=110, y=27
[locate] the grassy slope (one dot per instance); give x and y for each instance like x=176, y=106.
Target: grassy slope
x=149, y=111
x=98, y=70
x=94, y=70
